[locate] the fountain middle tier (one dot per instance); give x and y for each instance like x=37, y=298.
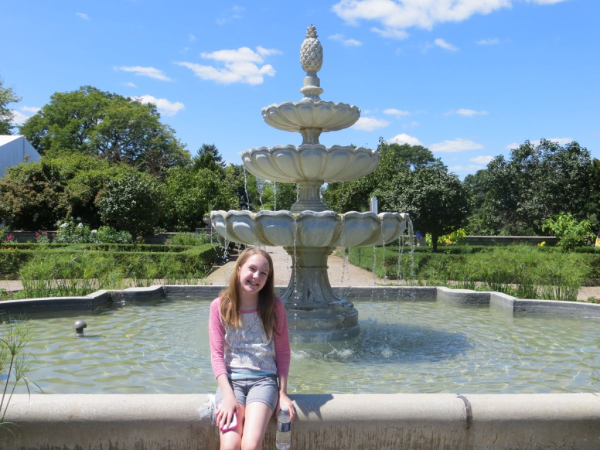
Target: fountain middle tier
x=325, y=229
x=310, y=162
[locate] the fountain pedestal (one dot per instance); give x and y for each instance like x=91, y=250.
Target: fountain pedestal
x=315, y=313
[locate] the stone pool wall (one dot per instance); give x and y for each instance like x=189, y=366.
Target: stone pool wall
x=361, y=421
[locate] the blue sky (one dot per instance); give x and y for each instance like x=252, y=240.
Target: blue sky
x=466, y=78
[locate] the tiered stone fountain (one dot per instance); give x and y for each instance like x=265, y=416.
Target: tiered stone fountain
x=309, y=232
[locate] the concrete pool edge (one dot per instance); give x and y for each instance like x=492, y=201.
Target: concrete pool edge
x=341, y=421
x=496, y=300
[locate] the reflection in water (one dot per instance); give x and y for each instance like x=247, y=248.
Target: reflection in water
x=162, y=346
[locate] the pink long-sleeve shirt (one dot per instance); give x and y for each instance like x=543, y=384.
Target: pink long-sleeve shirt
x=246, y=351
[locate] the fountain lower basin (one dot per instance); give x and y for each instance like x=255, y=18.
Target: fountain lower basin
x=412, y=340
x=314, y=229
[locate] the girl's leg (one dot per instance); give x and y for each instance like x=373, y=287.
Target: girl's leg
x=257, y=418
x=232, y=440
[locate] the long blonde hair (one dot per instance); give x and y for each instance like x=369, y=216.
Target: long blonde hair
x=230, y=297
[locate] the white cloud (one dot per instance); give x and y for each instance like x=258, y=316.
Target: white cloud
x=370, y=124
x=130, y=84
x=416, y=13
x=347, y=42
x=164, y=106
x=396, y=112
x=191, y=37
x=240, y=66
x=455, y=146
x=491, y=41
x=445, y=45
x=511, y=146
x=230, y=15
x=267, y=51
x=404, y=138
x=18, y=117
x=149, y=72
x=562, y=141
x=33, y=109
x=390, y=33
x=469, y=168
x=468, y=112
x=481, y=159
x=83, y=16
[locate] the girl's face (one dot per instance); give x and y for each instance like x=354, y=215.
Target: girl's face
x=253, y=274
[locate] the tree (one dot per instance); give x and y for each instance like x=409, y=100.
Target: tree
x=208, y=157
x=115, y=128
x=132, y=202
x=538, y=182
x=437, y=202
x=394, y=158
x=7, y=96
x=34, y=196
x=191, y=193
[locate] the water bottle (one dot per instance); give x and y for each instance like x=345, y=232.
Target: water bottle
x=283, y=439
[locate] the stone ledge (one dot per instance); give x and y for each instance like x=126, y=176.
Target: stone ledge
x=361, y=421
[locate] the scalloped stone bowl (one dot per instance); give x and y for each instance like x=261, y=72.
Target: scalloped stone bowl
x=292, y=116
x=310, y=162
x=312, y=229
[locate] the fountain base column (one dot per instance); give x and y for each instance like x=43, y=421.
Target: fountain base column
x=315, y=313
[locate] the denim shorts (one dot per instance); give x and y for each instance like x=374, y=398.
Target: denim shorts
x=256, y=389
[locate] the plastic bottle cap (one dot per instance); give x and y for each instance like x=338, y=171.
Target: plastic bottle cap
x=284, y=408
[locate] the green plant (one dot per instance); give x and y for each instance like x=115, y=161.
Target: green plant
x=14, y=361
x=572, y=233
x=448, y=239
x=189, y=239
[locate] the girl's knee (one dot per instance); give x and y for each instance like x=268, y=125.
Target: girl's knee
x=230, y=442
x=252, y=443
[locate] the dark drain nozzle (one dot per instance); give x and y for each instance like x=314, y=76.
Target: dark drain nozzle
x=79, y=326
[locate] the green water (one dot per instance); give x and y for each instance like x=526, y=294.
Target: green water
x=410, y=347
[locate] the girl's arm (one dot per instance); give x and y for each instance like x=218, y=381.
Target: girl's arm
x=284, y=399
x=282, y=354
x=216, y=333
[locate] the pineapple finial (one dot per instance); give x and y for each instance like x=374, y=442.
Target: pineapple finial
x=311, y=57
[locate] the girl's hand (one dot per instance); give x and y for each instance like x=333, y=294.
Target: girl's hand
x=225, y=412
x=285, y=400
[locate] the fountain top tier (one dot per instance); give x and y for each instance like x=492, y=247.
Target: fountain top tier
x=311, y=116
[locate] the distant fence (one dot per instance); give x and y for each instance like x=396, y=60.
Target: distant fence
x=508, y=240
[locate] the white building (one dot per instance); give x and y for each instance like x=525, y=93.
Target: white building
x=14, y=150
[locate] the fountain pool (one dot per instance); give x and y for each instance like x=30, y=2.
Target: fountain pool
x=403, y=347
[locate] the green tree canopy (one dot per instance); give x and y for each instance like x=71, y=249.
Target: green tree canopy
x=132, y=202
x=34, y=196
x=113, y=127
x=208, y=157
x=7, y=96
x=394, y=158
x=191, y=193
x=437, y=201
x=536, y=183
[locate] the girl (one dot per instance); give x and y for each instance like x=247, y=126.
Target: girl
x=250, y=348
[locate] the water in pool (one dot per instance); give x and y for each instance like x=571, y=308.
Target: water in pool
x=409, y=347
